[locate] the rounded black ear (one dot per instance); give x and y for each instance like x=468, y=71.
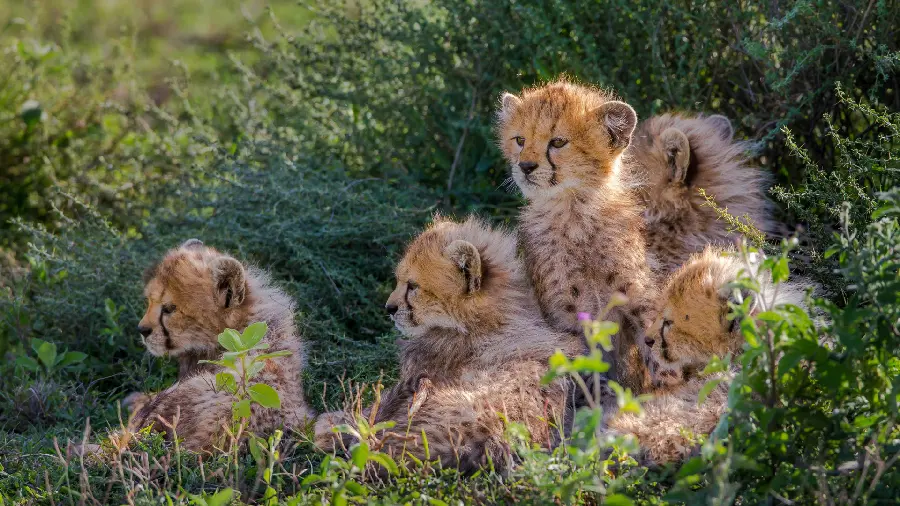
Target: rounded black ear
x=191, y=243
x=619, y=119
x=230, y=281
x=508, y=104
x=678, y=153
x=465, y=256
x=722, y=125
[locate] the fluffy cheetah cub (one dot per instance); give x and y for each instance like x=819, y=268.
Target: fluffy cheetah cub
x=582, y=229
x=476, y=340
x=676, y=155
x=193, y=295
x=691, y=328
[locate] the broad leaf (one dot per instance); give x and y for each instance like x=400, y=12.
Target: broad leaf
x=265, y=396
x=230, y=340
x=359, y=455
x=254, y=369
x=69, y=358
x=274, y=354
x=385, y=461
x=220, y=498
x=253, y=334
x=46, y=352
x=617, y=500
x=28, y=363
x=241, y=409
x=707, y=388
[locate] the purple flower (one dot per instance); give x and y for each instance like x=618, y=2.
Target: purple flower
x=584, y=317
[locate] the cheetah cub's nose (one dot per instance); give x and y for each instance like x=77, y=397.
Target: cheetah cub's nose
x=145, y=331
x=391, y=308
x=527, y=167
x=649, y=341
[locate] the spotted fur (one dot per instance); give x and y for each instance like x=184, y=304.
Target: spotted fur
x=475, y=337
x=582, y=229
x=675, y=155
x=193, y=295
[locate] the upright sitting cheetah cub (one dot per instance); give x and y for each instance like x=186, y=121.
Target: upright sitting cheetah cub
x=582, y=229
x=476, y=341
x=692, y=326
x=677, y=155
x=193, y=295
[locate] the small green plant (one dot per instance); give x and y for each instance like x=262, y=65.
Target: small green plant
x=242, y=366
x=48, y=362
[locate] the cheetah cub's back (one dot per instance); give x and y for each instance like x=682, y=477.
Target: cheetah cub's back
x=674, y=157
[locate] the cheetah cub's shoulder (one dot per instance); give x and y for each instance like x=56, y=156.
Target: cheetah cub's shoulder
x=582, y=229
x=675, y=156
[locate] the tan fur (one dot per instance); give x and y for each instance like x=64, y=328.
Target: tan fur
x=676, y=155
x=193, y=295
x=691, y=328
x=475, y=336
x=582, y=229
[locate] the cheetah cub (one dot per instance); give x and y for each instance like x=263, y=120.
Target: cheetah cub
x=476, y=347
x=692, y=326
x=193, y=295
x=677, y=155
x=582, y=230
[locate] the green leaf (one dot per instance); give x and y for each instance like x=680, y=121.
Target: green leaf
x=254, y=334
x=69, y=358
x=28, y=363
x=254, y=369
x=265, y=396
x=225, y=381
x=385, y=461
x=241, y=409
x=230, y=340
x=618, y=500
x=220, y=498
x=780, y=270
x=357, y=489
x=359, y=454
x=274, y=354
x=691, y=467
x=339, y=499
x=708, y=387
x=46, y=352
x=257, y=445
x=589, y=364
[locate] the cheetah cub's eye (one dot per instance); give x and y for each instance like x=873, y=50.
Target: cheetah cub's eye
x=168, y=309
x=558, y=143
x=519, y=140
x=411, y=286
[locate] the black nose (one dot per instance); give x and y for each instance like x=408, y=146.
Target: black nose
x=391, y=308
x=145, y=331
x=649, y=341
x=527, y=167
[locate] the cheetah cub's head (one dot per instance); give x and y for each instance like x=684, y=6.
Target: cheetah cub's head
x=193, y=294
x=455, y=278
x=563, y=135
x=693, y=322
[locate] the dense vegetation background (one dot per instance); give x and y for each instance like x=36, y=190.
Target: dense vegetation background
x=314, y=139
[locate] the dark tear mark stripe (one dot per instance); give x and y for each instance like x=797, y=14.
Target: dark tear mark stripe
x=162, y=325
x=553, y=180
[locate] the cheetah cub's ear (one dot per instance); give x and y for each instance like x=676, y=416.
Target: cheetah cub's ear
x=192, y=243
x=678, y=153
x=465, y=255
x=508, y=104
x=619, y=120
x=230, y=281
x=722, y=125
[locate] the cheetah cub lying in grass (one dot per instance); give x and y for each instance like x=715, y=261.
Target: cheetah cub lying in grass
x=193, y=295
x=476, y=349
x=582, y=230
x=676, y=156
x=691, y=328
